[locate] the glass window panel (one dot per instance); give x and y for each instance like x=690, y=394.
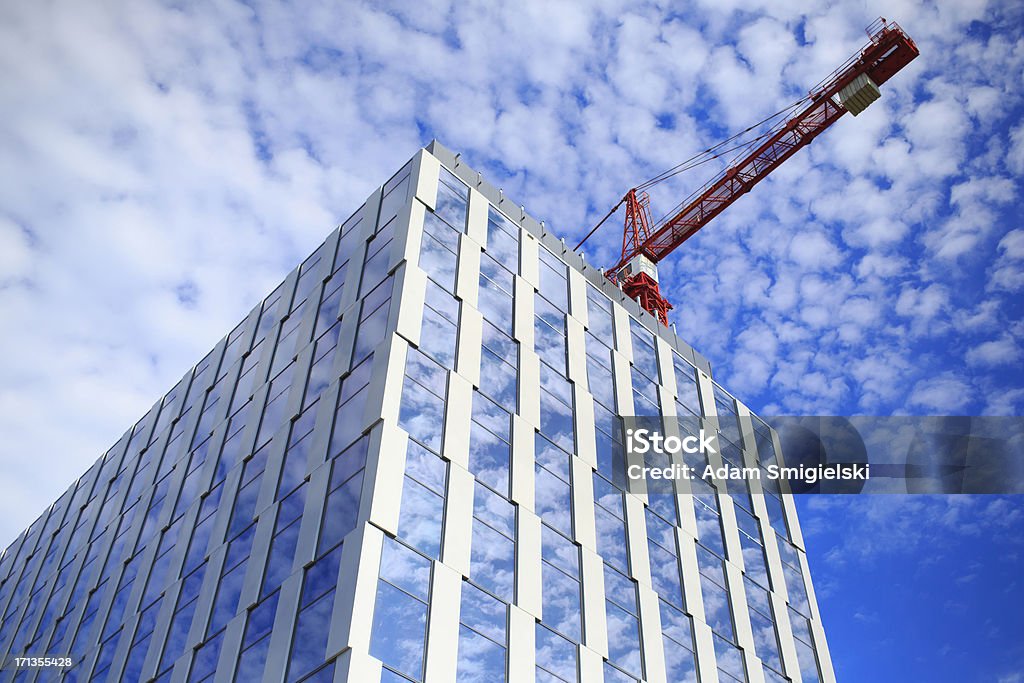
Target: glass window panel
x=483, y=613
x=709, y=527
x=252, y=661
x=371, y=332
x=395, y=193
x=766, y=642
x=613, y=675
x=497, y=512
x=427, y=372
x=716, y=607
x=601, y=382
x=776, y=515
x=553, y=500
x=561, y=602
x=406, y=569
x=489, y=458
x=426, y=468
x=309, y=643
x=501, y=381
x=420, y=518
x=660, y=531
x=808, y=663
x=556, y=656
x=441, y=231
x=553, y=280
x=500, y=344
x=493, y=270
x=599, y=314
x=205, y=661
x=611, y=539
x=560, y=551
x=226, y=603
x=480, y=660
x=608, y=496
x=399, y=630
x=503, y=240
x=550, y=346
x=620, y=590
x=261, y=620
x=438, y=338
x=438, y=262
x=623, y=639
x=665, y=574
x=492, y=561
x=730, y=660
x=320, y=577
x=676, y=625
x=754, y=563
x=495, y=305
x=797, y=591
x=451, y=200
x=422, y=415
x=340, y=512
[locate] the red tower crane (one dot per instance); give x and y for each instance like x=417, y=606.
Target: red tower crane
x=850, y=88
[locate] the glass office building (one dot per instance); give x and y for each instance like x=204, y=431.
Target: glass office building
x=398, y=468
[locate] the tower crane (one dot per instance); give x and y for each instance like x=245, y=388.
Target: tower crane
x=850, y=88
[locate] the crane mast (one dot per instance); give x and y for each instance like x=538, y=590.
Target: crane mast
x=850, y=88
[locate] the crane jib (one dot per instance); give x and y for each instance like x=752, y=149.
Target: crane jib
x=852, y=87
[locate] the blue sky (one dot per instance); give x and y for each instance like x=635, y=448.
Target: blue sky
x=162, y=166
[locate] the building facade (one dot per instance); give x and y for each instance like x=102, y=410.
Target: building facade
x=398, y=468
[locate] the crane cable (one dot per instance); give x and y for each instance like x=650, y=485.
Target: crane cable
x=709, y=154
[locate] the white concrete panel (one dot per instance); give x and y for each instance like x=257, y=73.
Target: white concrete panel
x=443, y=625
x=353, y=666
x=577, y=351
x=426, y=171
x=471, y=330
x=740, y=611
x=691, y=574
x=705, y=652
x=529, y=263
x=578, y=297
x=523, y=459
x=408, y=300
x=529, y=386
x=357, y=591
x=529, y=584
x=623, y=384
x=458, y=519
x=636, y=524
x=477, y=222
x=586, y=435
x=595, y=627
x=654, y=643
x=385, y=475
x=522, y=648
x=623, y=338
x=665, y=368
x=591, y=665
x=523, y=312
x=457, y=420
x=584, y=524
x=467, y=274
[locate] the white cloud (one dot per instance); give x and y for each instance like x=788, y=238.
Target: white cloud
x=1015, y=155
x=1002, y=351
x=945, y=394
